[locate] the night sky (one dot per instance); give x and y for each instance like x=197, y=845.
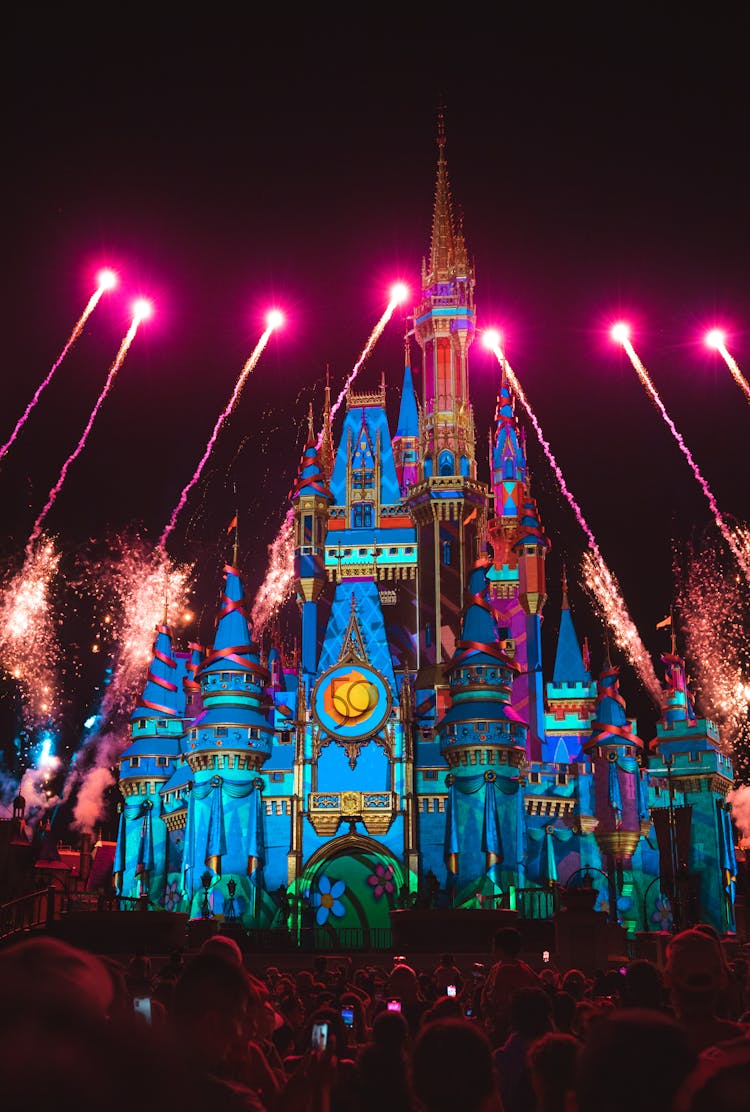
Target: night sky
x=224, y=164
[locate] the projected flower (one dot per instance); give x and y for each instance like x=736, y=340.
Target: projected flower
x=662, y=914
x=172, y=895
x=382, y=880
x=326, y=900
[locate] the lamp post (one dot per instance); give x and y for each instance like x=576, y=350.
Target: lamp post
x=205, y=906
x=230, y=915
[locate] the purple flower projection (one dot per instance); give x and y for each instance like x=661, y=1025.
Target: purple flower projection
x=381, y=881
x=327, y=900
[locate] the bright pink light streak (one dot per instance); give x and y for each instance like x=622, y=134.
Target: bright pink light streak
x=223, y=416
x=726, y=533
x=617, y=614
x=398, y=294
x=717, y=340
x=107, y=281
x=119, y=360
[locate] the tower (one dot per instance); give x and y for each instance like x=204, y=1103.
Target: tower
x=483, y=741
x=406, y=440
x=156, y=726
x=311, y=500
x=690, y=778
x=448, y=504
x=570, y=694
x=226, y=748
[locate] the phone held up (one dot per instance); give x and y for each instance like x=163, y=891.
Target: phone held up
x=450, y=990
x=319, y=1039
x=394, y=1004
x=347, y=1014
x=142, y=1007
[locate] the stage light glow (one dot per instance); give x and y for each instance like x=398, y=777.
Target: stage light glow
x=715, y=339
x=399, y=293
x=275, y=319
x=142, y=309
x=107, y=279
x=491, y=338
x=620, y=332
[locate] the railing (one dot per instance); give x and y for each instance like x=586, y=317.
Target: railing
x=320, y=940
x=536, y=903
x=36, y=909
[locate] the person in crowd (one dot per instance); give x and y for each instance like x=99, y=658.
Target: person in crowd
x=507, y=975
x=530, y=1018
x=445, y=973
x=696, y=975
x=452, y=1068
x=383, y=1070
x=403, y=985
x=632, y=1060
x=643, y=986
x=552, y=1063
x=563, y=1012
x=574, y=983
x=720, y=1081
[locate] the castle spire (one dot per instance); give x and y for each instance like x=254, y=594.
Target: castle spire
x=160, y=698
x=326, y=443
x=569, y=665
x=406, y=440
x=443, y=245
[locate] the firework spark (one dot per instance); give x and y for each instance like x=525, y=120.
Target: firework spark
x=274, y=321
x=621, y=334
x=598, y=579
x=136, y=585
x=714, y=608
x=718, y=341
x=28, y=643
x=138, y=315
x=107, y=281
x=277, y=586
x=399, y=294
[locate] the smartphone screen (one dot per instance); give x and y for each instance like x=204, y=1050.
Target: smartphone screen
x=319, y=1040
x=347, y=1014
x=545, y=956
x=394, y=1005
x=451, y=990
x=142, y=1006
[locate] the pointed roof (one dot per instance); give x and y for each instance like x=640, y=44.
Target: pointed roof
x=356, y=626
x=678, y=699
x=569, y=666
x=508, y=452
x=233, y=648
x=161, y=695
x=326, y=451
x=611, y=721
x=530, y=528
x=310, y=477
x=408, y=417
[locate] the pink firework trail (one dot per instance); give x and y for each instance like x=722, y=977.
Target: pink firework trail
x=119, y=360
x=277, y=586
x=399, y=293
x=107, y=281
x=620, y=334
x=717, y=340
x=274, y=320
x=598, y=579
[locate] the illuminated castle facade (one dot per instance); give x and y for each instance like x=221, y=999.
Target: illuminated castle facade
x=414, y=752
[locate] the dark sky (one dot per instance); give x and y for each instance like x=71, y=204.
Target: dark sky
x=224, y=163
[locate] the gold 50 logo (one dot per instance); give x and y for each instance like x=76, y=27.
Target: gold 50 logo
x=350, y=699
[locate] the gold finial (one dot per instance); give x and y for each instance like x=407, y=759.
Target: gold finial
x=310, y=425
x=565, y=604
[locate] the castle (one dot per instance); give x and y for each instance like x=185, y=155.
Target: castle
x=415, y=753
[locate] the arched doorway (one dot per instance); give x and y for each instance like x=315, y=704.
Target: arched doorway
x=350, y=886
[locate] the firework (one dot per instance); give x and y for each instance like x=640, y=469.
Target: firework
x=714, y=607
x=273, y=321
x=107, y=280
x=717, y=340
x=399, y=294
x=28, y=643
x=136, y=587
x=598, y=579
x=141, y=310
x=621, y=334
x=277, y=586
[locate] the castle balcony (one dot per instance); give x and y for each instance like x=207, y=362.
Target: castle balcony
x=374, y=809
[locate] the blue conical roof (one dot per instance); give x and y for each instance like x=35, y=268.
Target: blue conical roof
x=508, y=456
x=233, y=648
x=569, y=666
x=161, y=696
x=408, y=419
x=310, y=478
x=611, y=720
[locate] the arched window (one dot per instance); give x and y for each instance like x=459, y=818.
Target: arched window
x=446, y=463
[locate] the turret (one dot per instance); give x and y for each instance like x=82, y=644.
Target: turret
x=406, y=440
x=226, y=747
x=483, y=740
x=530, y=549
x=311, y=499
x=690, y=779
x=145, y=766
x=571, y=695
x=620, y=803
